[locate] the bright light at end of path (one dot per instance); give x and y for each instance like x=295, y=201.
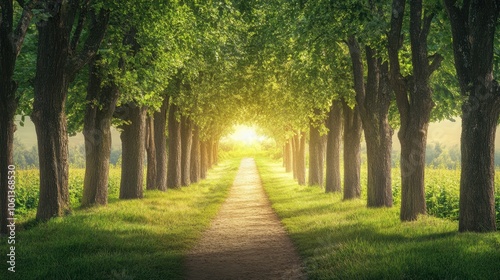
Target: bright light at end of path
x=246, y=134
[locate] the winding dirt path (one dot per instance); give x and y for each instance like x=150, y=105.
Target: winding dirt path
x=246, y=240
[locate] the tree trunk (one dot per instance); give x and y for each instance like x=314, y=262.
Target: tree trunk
x=301, y=159
x=334, y=124
x=477, y=188
x=352, y=154
x=11, y=41
x=195, y=156
x=101, y=104
x=160, y=140
x=473, y=28
x=174, y=175
x=288, y=156
x=186, y=146
x=151, y=178
x=316, y=156
x=373, y=101
x=8, y=106
x=203, y=159
x=51, y=87
x=58, y=62
x=133, y=147
x=295, y=152
x=210, y=154
x=215, y=156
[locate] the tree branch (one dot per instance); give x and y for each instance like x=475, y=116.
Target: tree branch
x=96, y=35
x=435, y=63
x=426, y=26
x=22, y=26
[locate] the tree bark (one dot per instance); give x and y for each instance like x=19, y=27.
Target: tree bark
x=11, y=41
x=301, y=158
x=186, y=146
x=373, y=101
x=8, y=106
x=195, y=156
x=58, y=62
x=203, y=159
x=295, y=154
x=352, y=154
x=133, y=146
x=334, y=124
x=151, y=177
x=160, y=140
x=473, y=28
x=174, y=175
x=210, y=153
x=101, y=104
x=316, y=156
x=288, y=156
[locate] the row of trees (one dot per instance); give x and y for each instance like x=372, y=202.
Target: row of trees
x=311, y=71
x=382, y=65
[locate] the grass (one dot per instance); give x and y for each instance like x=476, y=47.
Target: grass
x=345, y=240
x=133, y=239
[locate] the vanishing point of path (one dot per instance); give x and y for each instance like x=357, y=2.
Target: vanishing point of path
x=246, y=240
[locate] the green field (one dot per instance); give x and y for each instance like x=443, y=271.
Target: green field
x=135, y=239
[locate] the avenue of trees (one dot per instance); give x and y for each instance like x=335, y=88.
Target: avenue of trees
x=174, y=77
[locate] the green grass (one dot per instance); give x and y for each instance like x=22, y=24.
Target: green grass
x=345, y=240
x=134, y=239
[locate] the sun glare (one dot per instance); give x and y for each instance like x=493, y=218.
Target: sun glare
x=245, y=134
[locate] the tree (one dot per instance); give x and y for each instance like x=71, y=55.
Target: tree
x=11, y=41
x=373, y=100
x=352, y=152
x=133, y=146
x=473, y=26
x=414, y=101
x=334, y=124
x=59, y=59
x=174, y=175
x=102, y=99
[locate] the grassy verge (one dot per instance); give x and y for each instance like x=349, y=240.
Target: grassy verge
x=345, y=240
x=135, y=239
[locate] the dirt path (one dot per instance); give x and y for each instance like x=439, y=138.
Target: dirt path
x=246, y=240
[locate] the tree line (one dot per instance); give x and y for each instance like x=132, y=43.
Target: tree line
x=173, y=78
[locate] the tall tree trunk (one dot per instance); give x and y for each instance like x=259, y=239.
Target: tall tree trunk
x=174, y=175
x=352, y=154
x=215, y=152
x=301, y=159
x=7, y=128
x=288, y=156
x=195, y=156
x=414, y=100
x=51, y=86
x=101, y=104
x=316, y=156
x=295, y=152
x=132, y=136
x=151, y=155
x=186, y=146
x=58, y=61
x=203, y=159
x=373, y=103
x=160, y=139
x=473, y=25
x=334, y=124
x=210, y=153
x=11, y=40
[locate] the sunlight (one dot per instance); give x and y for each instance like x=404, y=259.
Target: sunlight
x=246, y=135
